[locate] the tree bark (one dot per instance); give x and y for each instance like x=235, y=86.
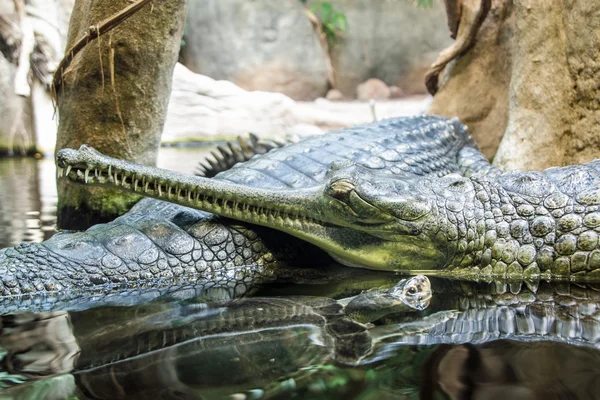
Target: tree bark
x=114, y=97
x=528, y=90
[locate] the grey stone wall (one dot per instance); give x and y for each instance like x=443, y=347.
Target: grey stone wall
x=258, y=44
x=392, y=40
x=272, y=46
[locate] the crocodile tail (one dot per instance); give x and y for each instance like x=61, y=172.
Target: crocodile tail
x=471, y=161
x=236, y=151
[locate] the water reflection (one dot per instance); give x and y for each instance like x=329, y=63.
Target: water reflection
x=505, y=369
x=477, y=341
x=28, y=205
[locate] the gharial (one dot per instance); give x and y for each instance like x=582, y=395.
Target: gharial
x=165, y=241
x=408, y=194
x=534, y=224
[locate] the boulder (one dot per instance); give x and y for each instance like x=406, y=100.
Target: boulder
x=258, y=45
x=373, y=89
x=28, y=123
x=334, y=95
x=396, y=92
x=203, y=108
x=16, y=131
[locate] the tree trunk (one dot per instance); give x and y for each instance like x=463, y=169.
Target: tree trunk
x=529, y=88
x=114, y=97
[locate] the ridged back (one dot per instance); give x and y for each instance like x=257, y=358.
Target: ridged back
x=576, y=181
x=415, y=146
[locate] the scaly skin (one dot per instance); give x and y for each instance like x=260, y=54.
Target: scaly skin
x=155, y=240
x=162, y=240
x=513, y=224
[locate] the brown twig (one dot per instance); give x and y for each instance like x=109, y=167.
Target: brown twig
x=93, y=33
x=472, y=15
x=331, y=76
x=453, y=11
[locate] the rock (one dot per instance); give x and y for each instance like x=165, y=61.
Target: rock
x=258, y=45
x=394, y=41
x=330, y=115
x=203, y=108
x=272, y=46
x=478, y=93
x=28, y=123
x=528, y=88
x=396, y=92
x=334, y=95
x=373, y=89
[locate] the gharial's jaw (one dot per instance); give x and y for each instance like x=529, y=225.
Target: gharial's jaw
x=263, y=206
x=299, y=212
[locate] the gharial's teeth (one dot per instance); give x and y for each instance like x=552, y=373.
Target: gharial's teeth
x=59, y=172
x=159, y=190
x=68, y=170
x=86, y=176
x=109, y=170
x=146, y=187
x=96, y=173
x=135, y=185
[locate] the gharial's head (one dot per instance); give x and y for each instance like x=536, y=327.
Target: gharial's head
x=408, y=223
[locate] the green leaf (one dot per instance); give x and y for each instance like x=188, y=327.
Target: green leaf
x=326, y=11
x=324, y=8
x=425, y=3
x=316, y=6
x=332, y=21
x=341, y=22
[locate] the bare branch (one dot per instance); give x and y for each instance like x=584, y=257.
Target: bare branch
x=473, y=13
x=93, y=33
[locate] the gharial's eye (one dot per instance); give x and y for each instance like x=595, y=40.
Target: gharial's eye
x=411, y=291
x=341, y=188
